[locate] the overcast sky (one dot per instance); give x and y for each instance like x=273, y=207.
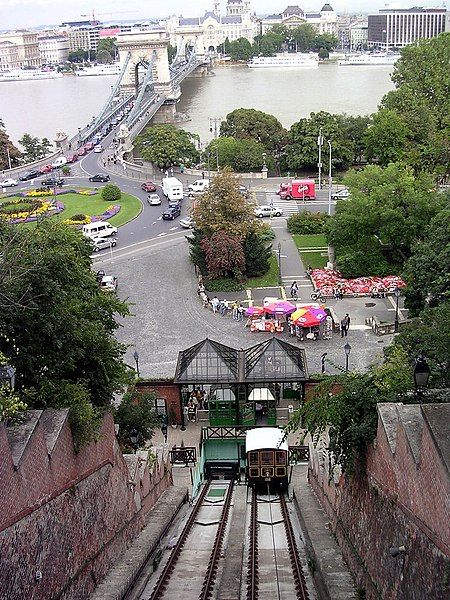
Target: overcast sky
x=30, y=13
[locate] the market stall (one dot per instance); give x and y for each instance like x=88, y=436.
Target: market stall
x=306, y=322
x=330, y=283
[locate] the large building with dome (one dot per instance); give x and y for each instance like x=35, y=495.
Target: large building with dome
x=324, y=21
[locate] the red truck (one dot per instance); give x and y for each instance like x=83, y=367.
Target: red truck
x=302, y=189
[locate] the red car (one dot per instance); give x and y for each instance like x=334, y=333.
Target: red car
x=89, y=146
x=45, y=169
x=148, y=186
x=81, y=151
x=71, y=158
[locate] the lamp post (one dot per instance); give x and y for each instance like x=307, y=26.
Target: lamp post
x=347, y=350
x=213, y=123
x=319, y=164
x=322, y=361
x=330, y=180
x=421, y=376
x=134, y=439
x=280, y=279
x=136, y=360
x=397, y=296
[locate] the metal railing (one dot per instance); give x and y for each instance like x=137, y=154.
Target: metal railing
x=183, y=455
x=298, y=454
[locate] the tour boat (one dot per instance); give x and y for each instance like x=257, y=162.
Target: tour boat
x=286, y=59
x=381, y=59
x=28, y=74
x=113, y=69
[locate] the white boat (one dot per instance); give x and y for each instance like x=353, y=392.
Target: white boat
x=380, y=59
x=28, y=74
x=113, y=69
x=286, y=59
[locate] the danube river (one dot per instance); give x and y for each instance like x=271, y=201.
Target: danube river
x=41, y=107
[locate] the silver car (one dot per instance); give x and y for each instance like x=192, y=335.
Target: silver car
x=102, y=243
x=268, y=211
x=153, y=199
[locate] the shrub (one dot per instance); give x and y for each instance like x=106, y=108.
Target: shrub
x=361, y=263
x=111, y=193
x=307, y=222
x=80, y=217
x=223, y=285
x=65, y=170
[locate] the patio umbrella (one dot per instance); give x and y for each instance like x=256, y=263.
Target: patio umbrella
x=308, y=316
x=252, y=311
x=280, y=307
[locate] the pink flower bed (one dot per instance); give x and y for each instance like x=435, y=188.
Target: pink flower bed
x=328, y=280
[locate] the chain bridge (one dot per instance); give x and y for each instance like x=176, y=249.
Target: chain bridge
x=148, y=80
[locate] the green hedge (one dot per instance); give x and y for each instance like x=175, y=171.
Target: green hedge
x=306, y=222
x=223, y=285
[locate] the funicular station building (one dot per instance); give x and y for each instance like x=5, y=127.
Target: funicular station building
x=243, y=388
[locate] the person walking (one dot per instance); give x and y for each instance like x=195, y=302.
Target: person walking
x=234, y=308
x=345, y=325
x=294, y=290
x=347, y=318
x=214, y=304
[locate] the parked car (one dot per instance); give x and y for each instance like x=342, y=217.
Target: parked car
x=198, y=187
x=100, y=177
x=8, y=183
x=171, y=213
x=243, y=191
x=148, y=186
x=153, y=199
x=53, y=181
x=99, y=148
x=89, y=146
x=344, y=193
x=268, y=211
x=102, y=243
x=45, y=169
x=71, y=158
x=187, y=223
x=108, y=283
x=29, y=175
x=81, y=151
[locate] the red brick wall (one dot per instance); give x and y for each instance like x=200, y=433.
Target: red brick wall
x=69, y=515
x=168, y=390
x=395, y=502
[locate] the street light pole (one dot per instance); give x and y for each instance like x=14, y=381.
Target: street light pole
x=347, y=350
x=280, y=279
x=319, y=164
x=397, y=296
x=330, y=180
x=136, y=360
x=213, y=122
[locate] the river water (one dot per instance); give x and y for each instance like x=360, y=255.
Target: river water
x=41, y=107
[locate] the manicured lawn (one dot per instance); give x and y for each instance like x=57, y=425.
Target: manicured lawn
x=76, y=204
x=309, y=241
x=314, y=259
x=270, y=279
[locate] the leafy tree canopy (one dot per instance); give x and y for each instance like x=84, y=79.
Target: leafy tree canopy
x=136, y=411
x=224, y=255
x=166, y=145
x=111, y=193
x=34, y=148
x=248, y=123
x=386, y=137
x=242, y=155
x=7, y=147
x=240, y=49
x=108, y=45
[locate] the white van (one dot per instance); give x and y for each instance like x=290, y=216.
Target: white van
x=59, y=162
x=100, y=229
x=172, y=188
x=198, y=187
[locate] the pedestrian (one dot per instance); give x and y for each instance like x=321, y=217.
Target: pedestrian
x=258, y=411
x=191, y=410
x=345, y=324
x=215, y=304
x=241, y=311
x=203, y=174
x=224, y=307
x=234, y=309
x=347, y=318
x=294, y=290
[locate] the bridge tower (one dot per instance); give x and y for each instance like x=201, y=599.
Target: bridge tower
x=189, y=38
x=146, y=47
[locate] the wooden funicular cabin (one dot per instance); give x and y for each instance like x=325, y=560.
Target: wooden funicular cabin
x=243, y=388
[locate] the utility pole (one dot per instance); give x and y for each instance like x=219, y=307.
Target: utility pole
x=214, y=125
x=319, y=164
x=330, y=180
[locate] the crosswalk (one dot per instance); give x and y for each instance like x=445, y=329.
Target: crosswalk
x=289, y=207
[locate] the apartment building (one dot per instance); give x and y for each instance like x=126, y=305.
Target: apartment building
x=54, y=49
x=27, y=47
x=9, y=56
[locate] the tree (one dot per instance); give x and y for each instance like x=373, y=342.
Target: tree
x=301, y=151
x=325, y=41
x=136, y=412
x=58, y=325
x=31, y=146
x=111, y=193
x=241, y=49
x=267, y=47
x=224, y=255
x=109, y=45
x=304, y=36
x=385, y=139
x=222, y=208
x=354, y=129
x=374, y=230
x=46, y=147
x=248, y=123
x=242, y=155
x=427, y=271
x=104, y=57
x=166, y=145
x=78, y=56
x=171, y=52
x=8, y=152
x=257, y=254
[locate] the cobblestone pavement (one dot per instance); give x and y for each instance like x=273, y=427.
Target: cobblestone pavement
x=159, y=283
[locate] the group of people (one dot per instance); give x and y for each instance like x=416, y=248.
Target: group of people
x=197, y=400
x=221, y=306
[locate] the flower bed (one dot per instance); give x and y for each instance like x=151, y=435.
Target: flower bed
x=111, y=211
x=327, y=280
x=45, y=209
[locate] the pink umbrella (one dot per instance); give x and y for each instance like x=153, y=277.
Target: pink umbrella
x=308, y=316
x=251, y=311
x=280, y=307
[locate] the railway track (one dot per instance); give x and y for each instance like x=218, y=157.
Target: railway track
x=163, y=582
x=273, y=560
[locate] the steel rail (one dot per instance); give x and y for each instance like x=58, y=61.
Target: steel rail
x=299, y=577
x=210, y=577
x=163, y=579
x=252, y=567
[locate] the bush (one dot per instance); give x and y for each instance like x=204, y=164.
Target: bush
x=65, y=170
x=80, y=217
x=111, y=193
x=307, y=222
x=362, y=263
x=223, y=285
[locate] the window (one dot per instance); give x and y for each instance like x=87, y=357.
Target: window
x=253, y=459
x=267, y=457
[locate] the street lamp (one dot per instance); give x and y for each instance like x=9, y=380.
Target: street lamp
x=322, y=360
x=319, y=164
x=134, y=438
x=421, y=375
x=136, y=360
x=280, y=279
x=397, y=296
x=347, y=350
x=330, y=180
x=213, y=123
